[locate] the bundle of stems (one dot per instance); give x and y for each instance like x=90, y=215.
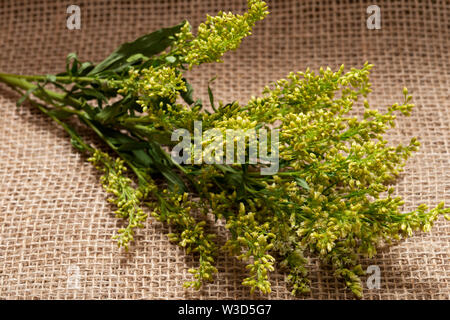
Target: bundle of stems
x=330, y=197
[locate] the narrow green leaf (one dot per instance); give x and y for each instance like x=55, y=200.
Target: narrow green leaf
x=25, y=96
x=60, y=114
x=129, y=146
x=211, y=96
x=74, y=137
x=302, y=183
x=141, y=157
x=135, y=57
x=109, y=112
x=148, y=45
x=187, y=95
x=76, y=144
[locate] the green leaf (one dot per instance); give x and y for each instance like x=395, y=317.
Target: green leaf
x=60, y=114
x=166, y=169
x=187, y=95
x=115, y=137
x=76, y=144
x=225, y=168
x=174, y=180
x=148, y=45
x=71, y=56
x=158, y=136
x=88, y=93
x=109, y=112
x=74, y=137
x=142, y=158
x=211, y=96
x=25, y=96
x=85, y=68
x=302, y=183
x=136, y=57
x=135, y=145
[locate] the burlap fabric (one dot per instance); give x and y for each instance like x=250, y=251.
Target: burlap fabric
x=55, y=225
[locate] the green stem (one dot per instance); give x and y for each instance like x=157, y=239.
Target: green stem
x=41, y=93
x=20, y=82
x=17, y=81
x=69, y=130
x=65, y=127
x=114, y=148
x=58, y=78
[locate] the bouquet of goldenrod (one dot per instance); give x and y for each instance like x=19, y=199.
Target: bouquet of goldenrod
x=301, y=177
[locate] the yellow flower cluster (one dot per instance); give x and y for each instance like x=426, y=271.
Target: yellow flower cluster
x=326, y=199
x=127, y=198
x=153, y=86
x=219, y=34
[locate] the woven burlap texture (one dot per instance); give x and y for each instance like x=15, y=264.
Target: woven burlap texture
x=55, y=225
